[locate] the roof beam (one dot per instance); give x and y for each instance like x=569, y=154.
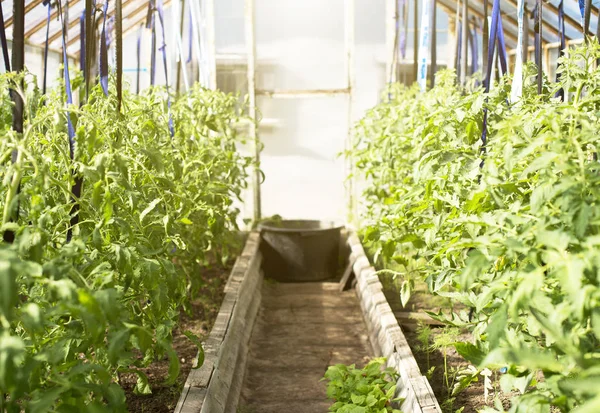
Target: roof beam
x=531, y=29
x=28, y=7
x=42, y=22
x=568, y=18
x=141, y=7
x=451, y=5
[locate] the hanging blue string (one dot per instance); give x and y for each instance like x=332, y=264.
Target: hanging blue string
x=44, y=81
x=190, y=33
x=82, y=43
x=103, y=61
x=474, y=53
x=163, y=48
x=496, y=36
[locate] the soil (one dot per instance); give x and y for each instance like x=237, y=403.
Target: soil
x=301, y=330
x=201, y=317
x=471, y=399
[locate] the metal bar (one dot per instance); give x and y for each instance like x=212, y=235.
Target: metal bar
x=251, y=74
x=416, y=41
x=350, y=35
x=290, y=94
x=212, y=49
x=391, y=16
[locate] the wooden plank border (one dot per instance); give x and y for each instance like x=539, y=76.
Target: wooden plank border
x=215, y=387
x=387, y=337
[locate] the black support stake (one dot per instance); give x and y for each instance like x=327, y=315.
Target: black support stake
x=525, y=36
x=433, y=43
x=538, y=45
x=486, y=35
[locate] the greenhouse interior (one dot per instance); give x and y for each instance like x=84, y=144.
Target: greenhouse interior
x=266, y=206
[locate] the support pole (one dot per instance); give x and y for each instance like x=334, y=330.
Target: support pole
x=391, y=37
x=525, y=36
x=351, y=187
x=212, y=50
x=416, y=41
x=253, y=132
x=433, y=43
x=465, y=42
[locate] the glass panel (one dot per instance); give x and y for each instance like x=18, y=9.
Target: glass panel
x=305, y=42
x=302, y=139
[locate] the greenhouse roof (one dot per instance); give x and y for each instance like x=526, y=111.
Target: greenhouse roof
x=550, y=34
x=134, y=14
x=135, y=11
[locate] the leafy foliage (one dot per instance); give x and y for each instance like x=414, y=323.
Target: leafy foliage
x=73, y=315
x=510, y=230
x=367, y=390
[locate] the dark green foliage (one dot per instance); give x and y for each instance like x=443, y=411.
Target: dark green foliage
x=516, y=239
x=153, y=208
x=368, y=390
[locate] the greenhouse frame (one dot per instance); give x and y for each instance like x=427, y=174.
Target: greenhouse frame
x=260, y=206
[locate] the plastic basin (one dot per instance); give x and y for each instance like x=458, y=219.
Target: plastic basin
x=300, y=250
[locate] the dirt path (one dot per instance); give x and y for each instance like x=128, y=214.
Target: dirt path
x=301, y=330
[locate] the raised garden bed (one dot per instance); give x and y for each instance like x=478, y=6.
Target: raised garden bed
x=215, y=387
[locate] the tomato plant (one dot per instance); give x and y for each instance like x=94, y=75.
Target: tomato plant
x=510, y=230
x=74, y=315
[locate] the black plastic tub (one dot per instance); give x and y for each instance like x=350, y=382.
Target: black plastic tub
x=300, y=250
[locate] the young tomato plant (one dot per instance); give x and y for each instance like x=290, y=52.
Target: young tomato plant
x=368, y=390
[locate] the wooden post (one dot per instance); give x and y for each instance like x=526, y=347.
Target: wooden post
x=253, y=132
x=452, y=42
x=433, y=43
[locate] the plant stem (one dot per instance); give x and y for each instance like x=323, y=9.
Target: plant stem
x=12, y=190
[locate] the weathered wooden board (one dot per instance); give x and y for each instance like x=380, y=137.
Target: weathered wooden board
x=215, y=386
x=386, y=335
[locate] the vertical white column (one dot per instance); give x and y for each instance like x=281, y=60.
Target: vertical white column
x=253, y=132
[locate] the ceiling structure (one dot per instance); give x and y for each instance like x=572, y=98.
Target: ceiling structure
x=135, y=11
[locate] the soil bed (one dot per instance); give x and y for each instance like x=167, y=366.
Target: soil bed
x=431, y=365
x=203, y=312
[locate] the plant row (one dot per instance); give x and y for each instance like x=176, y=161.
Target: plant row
x=508, y=229
x=92, y=285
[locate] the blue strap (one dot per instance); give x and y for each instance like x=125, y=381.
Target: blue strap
x=190, y=33
x=458, y=50
x=582, y=9
x=496, y=36
x=46, y=45
x=3, y=40
x=82, y=43
x=502, y=48
x=474, y=52
x=76, y=189
x=163, y=48
x=103, y=61
x=139, y=58
x=70, y=128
